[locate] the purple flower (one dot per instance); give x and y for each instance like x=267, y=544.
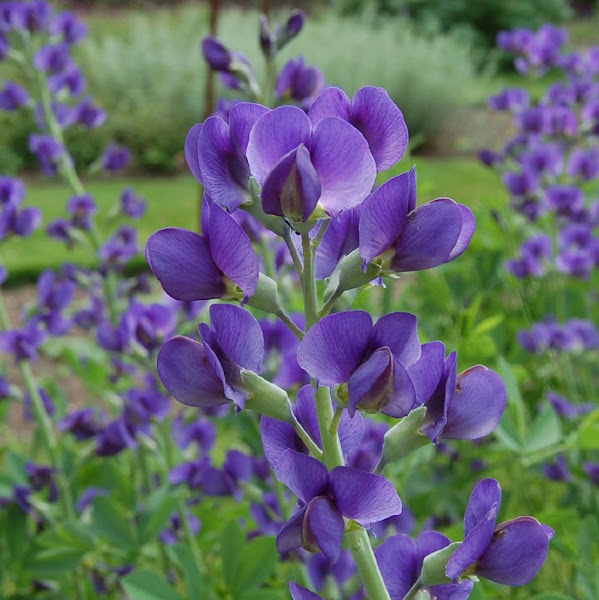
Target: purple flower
x=132, y=205
x=209, y=374
x=61, y=229
x=121, y=247
x=368, y=361
x=301, y=165
x=4, y=46
x=299, y=592
x=592, y=470
x=221, y=263
x=13, y=96
x=142, y=406
x=88, y=496
x=149, y=324
x=320, y=568
x=566, y=409
x=114, y=438
x=566, y=200
x=400, y=560
x=300, y=82
x=171, y=534
x=24, y=343
x=201, y=431
x=512, y=99
x=52, y=58
x=407, y=238
x=115, y=158
x=35, y=15
x=326, y=499
x=91, y=116
x=67, y=25
x=466, y=406
x=374, y=114
x=47, y=150
x=216, y=55
x=584, y=164
x=71, y=79
x=216, y=154
x=82, y=208
x=12, y=191
x=46, y=403
x=42, y=477
x=557, y=471
x=19, y=222
x=81, y=423
x=510, y=553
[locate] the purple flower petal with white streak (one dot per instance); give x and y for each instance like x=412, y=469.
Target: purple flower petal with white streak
x=187, y=374
x=477, y=404
x=334, y=348
x=363, y=496
x=305, y=476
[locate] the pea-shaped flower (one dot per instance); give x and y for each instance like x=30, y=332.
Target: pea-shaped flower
x=327, y=498
x=220, y=263
x=368, y=361
x=510, y=553
x=302, y=166
x=210, y=373
x=463, y=407
x=405, y=238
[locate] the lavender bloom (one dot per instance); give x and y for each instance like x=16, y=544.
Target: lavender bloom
x=115, y=158
x=566, y=200
x=114, y=438
x=510, y=553
x=12, y=191
x=67, y=25
x=60, y=229
x=306, y=166
x=132, y=205
x=171, y=535
x=328, y=497
x=405, y=238
x=221, y=263
x=81, y=423
x=71, y=79
x=19, y=222
x=557, y=471
x=42, y=477
x=374, y=114
x=46, y=403
x=216, y=55
x=400, y=560
x=13, y=96
x=369, y=362
x=566, y=409
x=48, y=152
x=299, y=592
x=35, y=16
x=201, y=431
x=512, y=99
x=584, y=164
x=121, y=247
x=52, y=58
x=149, y=325
x=466, y=406
x=300, y=82
x=82, y=208
x=216, y=154
x=24, y=343
x=320, y=569
x=209, y=374
x=91, y=116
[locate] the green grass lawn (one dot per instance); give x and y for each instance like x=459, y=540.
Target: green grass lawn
x=174, y=202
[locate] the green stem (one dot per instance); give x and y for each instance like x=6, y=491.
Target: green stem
x=413, y=590
x=328, y=305
x=295, y=257
x=309, y=283
x=299, y=334
x=305, y=437
x=334, y=426
x=367, y=566
x=318, y=238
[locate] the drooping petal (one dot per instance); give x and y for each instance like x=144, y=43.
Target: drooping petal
x=290, y=536
x=182, y=262
x=186, y=373
x=516, y=553
x=477, y=405
x=191, y=151
x=239, y=335
x=343, y=161
x=429, y=236
x=273, y=136
x=384, y=215
x=427, y=371
x=276, y=438
x=363, y=496
x=398, y=564
x=334, y=348
x=323, y=527
x=224, y=171
x=232, y=251
x=333, y=102
x=305, y=476
x=468, y=229
x=242, y=118
x=292, y=188
x=340, y=239
x=299, y=592
x=485, y=496
x=403, y=399
x=382, y=124
x=438, y=404
x=399, y=332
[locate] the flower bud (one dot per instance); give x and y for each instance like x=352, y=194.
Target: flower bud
x=266, y=296
x=215, y=54
x=266, y=398
x=433, y=567
x=268, y=39
x=404, y=437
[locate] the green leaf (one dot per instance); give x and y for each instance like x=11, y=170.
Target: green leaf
x=258, y=560
x=15, y=531
x=147, y=585
x=231, y=544
x=587, y=437
x=109, y=520
x=552, y=596
x=515, y=403
x=263, y=595
x=70, y=534
x=194, y=581
x=487, y=325
x=545, y=431
x=53, y=562
x=157, y=510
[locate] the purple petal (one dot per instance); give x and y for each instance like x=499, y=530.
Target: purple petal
x=452, y=591
x=292, y=188
x=323, y=526
x=305, y=411
x=399, y=332
x=182, y=262
x=333, y=348
x=371, y=384
x=438, y=404
x=239, y=335
x=290, y=536
x=517, y=552
x=301, y=593
x=232, y=251
x=429, y=236
x=276, y=438
x=191, y=151
x=384, y=215
x=427, y=371
x=344, y=164
x=305, y=476
x=382, y=124
x=186, y=373
x=350, y=433
x=427, y=543
x=404, y=394
x=398, y=565
x=242, y=118
x=484, y=497
x=273, y=136
x=468, y=229
x=340, y=239
x=333, y=102
x=477, y=405
x=363, y=496
x=225, y=174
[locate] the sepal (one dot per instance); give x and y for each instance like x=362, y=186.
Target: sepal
x=404, y=437
x=266, y=398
